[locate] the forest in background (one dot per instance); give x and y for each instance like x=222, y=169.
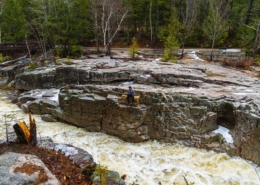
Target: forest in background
x=71, y=24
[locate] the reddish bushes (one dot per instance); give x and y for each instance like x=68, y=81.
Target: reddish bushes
x=240, y=63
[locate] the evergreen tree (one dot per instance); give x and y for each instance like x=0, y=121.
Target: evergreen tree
x=134, y=48
x=168, y=36
x=13, y=22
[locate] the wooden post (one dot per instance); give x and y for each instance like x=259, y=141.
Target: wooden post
x=33, y=132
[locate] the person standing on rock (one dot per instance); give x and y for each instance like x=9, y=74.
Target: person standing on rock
x=130, y=94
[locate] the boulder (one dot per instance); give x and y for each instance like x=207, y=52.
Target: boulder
x=27, y=169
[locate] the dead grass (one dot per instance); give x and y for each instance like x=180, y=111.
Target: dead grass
x=31, y=169
x=245, y=64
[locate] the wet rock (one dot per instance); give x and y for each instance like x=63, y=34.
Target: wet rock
x=24, y=107
x=162, y=116
x=48, y=118
x=108, y=64
x=216, y=138
x=41, y=106
x=110, y=177
x=80, y=157
x=9, y=69
x=213, y=145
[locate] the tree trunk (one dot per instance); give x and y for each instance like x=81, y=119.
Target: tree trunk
x=182, y=50
x=248, y=14
x=256, y=38
x=151, y=24
x=211, y=54
x=96, y=33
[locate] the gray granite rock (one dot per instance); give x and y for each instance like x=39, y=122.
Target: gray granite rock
x=178, y=103
x=26, y=169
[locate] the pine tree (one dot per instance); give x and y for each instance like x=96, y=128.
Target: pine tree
x=168, y=36
x=13, y=22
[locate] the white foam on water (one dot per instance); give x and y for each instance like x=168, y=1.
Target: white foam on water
x=225, y=133
x=148, y=162
x=193, y=55
x=232, y=50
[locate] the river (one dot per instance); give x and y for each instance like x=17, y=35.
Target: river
x=149, y=162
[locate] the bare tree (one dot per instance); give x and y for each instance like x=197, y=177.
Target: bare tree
x=95, y=10
x=188, y=15
x=109, y=15
x=253, y=26
x=2, y=3
x=249, y=11
x=151, y=23
x=256, y=29
x=36, y=21
x=216, y=22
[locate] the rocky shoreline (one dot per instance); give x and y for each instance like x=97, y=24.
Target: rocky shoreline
x=187, y=103
x=27, y=168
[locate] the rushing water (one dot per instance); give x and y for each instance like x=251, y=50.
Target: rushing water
x=148, y=162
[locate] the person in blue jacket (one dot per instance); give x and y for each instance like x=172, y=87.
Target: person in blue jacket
x=130, y=94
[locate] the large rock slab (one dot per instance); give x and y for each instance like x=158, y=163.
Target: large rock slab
x=104, y=71
x=10, y=69
x=164, y=116
x=26, y=169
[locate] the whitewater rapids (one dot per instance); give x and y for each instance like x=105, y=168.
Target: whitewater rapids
x=148, y=162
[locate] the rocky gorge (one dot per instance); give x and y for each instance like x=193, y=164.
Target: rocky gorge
x=187, y=103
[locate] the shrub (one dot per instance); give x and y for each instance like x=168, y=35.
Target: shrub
x=257, y=60
x=168, y=56
x=238, y=63
x=75, y=51
x=4, y=58
x=68, y=62
x=32, y=66
x=134, y=48
x=46, y=63
x=57, y=57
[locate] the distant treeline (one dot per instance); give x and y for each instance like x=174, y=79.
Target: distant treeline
x=168, y=23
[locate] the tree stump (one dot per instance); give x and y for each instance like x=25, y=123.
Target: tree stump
x=25, y=135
